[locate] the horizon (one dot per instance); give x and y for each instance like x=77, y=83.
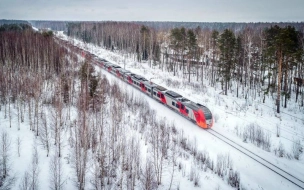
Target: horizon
x=172, y=11
x=266, y=22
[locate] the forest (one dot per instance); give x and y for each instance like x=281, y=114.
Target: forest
x=256, y=59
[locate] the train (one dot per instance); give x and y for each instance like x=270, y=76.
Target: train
x=195, y=112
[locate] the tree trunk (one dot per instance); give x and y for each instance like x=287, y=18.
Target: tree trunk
x=279, y=80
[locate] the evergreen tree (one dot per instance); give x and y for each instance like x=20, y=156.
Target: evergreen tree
x=191, y=48
x=282, y=45
x=227, y=44
x=145, y=42
x=214, y=42
x=239, y=62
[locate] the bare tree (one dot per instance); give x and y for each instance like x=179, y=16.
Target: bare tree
x=80, y=155
x=56, y=181
x=34, y=170
x=26, y=182
x=18, y=145
x=160, y=141
x=297, y=149
x=6, y=178
x=173, y=160
x=57, y=119
x=148, y=181
x=45, y=136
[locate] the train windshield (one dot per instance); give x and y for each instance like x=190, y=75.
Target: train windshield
x=207, y=113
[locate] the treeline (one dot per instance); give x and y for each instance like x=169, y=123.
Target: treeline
x=4, y=21
x=121, y=36
x=168, y=25
x=220, y=26
x=53, y=25
x=14, y=27
x=256, y=61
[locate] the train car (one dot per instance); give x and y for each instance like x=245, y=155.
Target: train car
x=108, y=66
x=138, y=82
x=158, y=94
x=175, y=101
x=101, y=62
x=128, y=77
x=148, y=87
x=114, y=69
x=120, y=73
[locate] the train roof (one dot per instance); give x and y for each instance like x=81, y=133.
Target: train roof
x=150, y=84
x=192, y=105
x=173, y=94
x=138, y=77
x=115, y=66
x=197, y=106
x=103, y=60
x=160, y=88
x=130, y=73
x=182, y=99
x=123, y=70
x=109, y=64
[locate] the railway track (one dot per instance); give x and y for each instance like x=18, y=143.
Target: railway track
x=284, y=174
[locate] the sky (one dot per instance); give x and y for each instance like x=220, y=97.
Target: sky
x=155, y=10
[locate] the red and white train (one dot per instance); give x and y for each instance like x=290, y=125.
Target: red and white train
x=195, y=112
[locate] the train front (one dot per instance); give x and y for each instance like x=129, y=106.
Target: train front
x=204, y=117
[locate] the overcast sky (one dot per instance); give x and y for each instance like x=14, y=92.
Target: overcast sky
x=155, y=10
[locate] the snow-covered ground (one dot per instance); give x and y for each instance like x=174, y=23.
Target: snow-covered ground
x=232, y=116
x=230, y=120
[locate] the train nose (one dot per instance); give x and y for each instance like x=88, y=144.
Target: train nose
x=209, y=123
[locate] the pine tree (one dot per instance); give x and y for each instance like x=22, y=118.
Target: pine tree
x=214, y=42
x=282, y=44
x=191, y=48
x=227, y=44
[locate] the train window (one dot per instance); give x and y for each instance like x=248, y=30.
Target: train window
x=149, y=90
x=177, y=105
x=145, y=88
x=183, y=107
x=162, y=96
x=154, y=93
x=173, y=103
x=158, y=95
x=187, y=111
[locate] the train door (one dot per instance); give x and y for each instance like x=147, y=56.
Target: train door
x=182, y=109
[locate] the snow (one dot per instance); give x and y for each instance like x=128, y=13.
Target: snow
x=226, y=108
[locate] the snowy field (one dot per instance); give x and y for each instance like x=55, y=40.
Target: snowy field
x=233, y=117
